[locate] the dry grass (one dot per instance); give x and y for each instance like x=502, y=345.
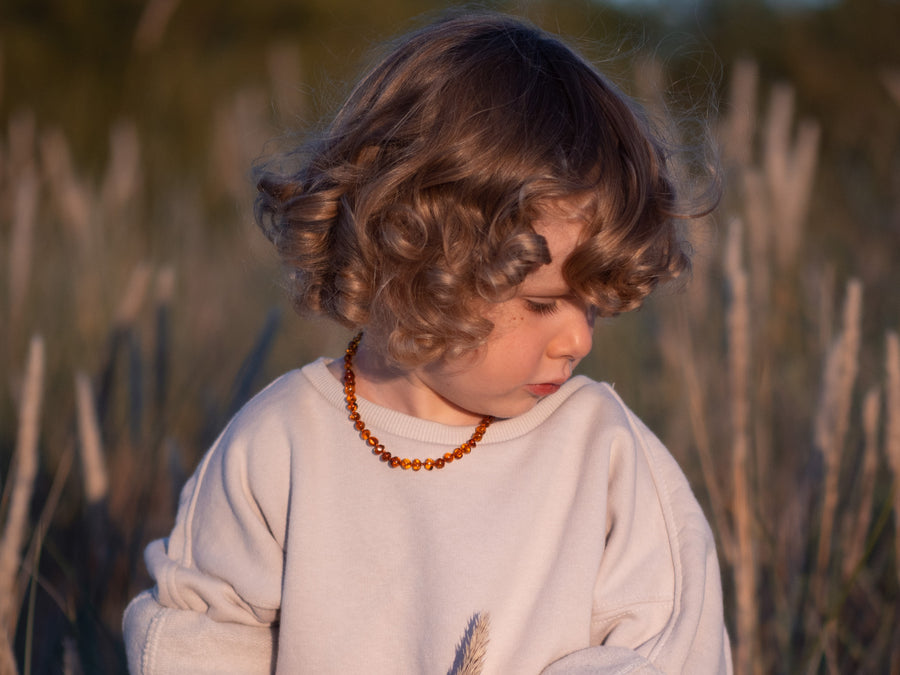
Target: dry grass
x=166, y=325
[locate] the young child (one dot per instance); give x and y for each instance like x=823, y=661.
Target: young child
x=448, y=498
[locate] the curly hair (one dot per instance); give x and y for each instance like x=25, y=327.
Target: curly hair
x=414, y=207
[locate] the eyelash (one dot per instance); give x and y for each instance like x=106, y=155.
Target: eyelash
x=542, y=308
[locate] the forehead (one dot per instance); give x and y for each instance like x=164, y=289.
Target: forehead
x=562, y=224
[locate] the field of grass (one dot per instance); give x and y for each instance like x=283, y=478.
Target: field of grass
x=141, y=307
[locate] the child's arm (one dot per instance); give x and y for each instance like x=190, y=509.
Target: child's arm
x=218, y=576
x=658, y=597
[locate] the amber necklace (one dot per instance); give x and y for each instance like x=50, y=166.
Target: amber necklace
x=377, y=448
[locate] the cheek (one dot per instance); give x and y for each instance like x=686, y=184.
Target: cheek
x=507, y=321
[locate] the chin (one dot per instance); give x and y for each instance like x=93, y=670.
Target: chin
x=514, y=409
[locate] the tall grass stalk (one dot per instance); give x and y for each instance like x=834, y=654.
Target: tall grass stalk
x=152, y=24
x=681, y=354
x=833, y=416
x=891, y=79
x=73, y=200
x=96, y=478
x=737, y=130
x=857, y=528
x=21, y=484
x=22, y=245
x=789, y=168
x=123, y=176
x=738, y=321
x=892, y=429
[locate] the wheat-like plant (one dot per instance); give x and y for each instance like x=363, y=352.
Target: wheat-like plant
x=475, y=646
x=833, y=415
x=152, y=24
x=96, y=478
x=22, y=245
x=892, y=434
x=789, y=165
x=21, y=483
x=858, y=527
x=738, y=321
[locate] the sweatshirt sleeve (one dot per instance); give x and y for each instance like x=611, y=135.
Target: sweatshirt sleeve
x=658, y=595
x=215, y=606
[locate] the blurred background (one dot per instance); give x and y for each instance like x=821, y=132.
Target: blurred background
x=140, y=306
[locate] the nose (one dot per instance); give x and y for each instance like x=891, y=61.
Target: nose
x=574, y=335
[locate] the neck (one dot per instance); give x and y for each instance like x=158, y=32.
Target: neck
x=401, y=389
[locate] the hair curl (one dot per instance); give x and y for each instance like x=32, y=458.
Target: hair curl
x=416, y=204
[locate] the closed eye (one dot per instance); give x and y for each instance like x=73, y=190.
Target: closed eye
x=542, y=308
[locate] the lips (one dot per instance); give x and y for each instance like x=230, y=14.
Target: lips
x=543, y=389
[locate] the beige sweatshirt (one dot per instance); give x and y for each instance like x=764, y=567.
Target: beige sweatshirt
x=295, y=550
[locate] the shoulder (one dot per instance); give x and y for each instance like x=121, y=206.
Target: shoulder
x=256, y=445
x=281, y=405
x=637, y=457
x=597, y=405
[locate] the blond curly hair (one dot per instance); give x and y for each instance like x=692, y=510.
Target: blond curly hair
x=414, y=207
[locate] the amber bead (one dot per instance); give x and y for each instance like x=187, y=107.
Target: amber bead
x=377, y=448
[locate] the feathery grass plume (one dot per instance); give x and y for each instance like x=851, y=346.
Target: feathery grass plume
x=474, y=646
x=239, y=131
x=122, y=179
x=22, y=133
x=790, y=169
x=21, y=245
x=891, y=80
x=756, y=211
x=833, y=415
x=96, y=479
x=21, y=483
x=152, y=24
x=736, y=131
x=71, y=197
x=892, y=428
x=822, y=290
x=857, y=528
x=7, y=658
x=133, y=298
x=284, y=63
x=678, y=349
x=745, y=578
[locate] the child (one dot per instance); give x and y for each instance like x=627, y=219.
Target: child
x=448, y=497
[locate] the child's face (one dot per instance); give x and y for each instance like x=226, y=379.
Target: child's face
x=539, y=337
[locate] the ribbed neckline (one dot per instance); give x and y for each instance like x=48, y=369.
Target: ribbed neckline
x=426, y=431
